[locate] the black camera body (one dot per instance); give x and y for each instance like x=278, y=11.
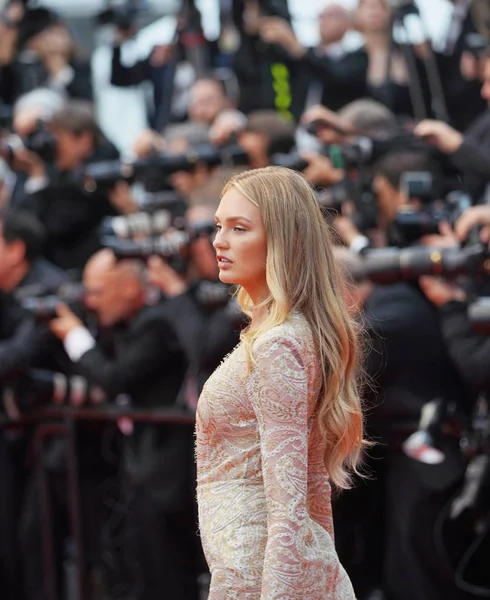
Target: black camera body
x=39, y=388
x=103, y=175
x=43, y=306
x=40, y=142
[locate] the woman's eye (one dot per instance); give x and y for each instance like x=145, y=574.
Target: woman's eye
x=217, y=227
x=240, y=229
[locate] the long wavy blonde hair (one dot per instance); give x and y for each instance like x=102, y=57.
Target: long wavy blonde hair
x=302, y=275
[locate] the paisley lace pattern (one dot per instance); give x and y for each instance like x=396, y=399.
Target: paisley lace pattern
x=263, y=492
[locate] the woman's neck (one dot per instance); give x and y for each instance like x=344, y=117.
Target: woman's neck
x=259, y=315
x=258, y=295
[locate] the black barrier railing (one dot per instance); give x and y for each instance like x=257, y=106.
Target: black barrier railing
x=53, y=421
x=57, y=421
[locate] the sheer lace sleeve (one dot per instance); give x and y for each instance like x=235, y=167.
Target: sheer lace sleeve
x=280, y=400
x=319, y=491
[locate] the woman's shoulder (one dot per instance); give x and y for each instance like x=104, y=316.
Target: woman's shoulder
x=294, y=333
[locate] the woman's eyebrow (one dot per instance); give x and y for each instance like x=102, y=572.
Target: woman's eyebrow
x=229, y=219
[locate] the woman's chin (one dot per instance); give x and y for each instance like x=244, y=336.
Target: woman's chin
x=226, y=277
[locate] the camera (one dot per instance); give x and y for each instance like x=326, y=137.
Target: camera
x=137, y=224
x=43, y=305
x=173, y=245
x=414, y=222
x=105, y=174
x=393, y=265
x=40, y=387
x=41, y=142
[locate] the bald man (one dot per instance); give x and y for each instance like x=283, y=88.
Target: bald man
x=147, y=365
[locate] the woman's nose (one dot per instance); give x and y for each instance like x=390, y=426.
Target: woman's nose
x=219, y=240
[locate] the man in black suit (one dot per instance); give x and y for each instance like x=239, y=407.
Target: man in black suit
x=147, y=365
x=24, y=343
x=469, y=152
x=461, y=89
x=70, y=215
x=385, y=529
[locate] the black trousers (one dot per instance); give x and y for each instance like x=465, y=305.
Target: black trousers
x=95, y=514
x=162, y=549
x=13, y=473
x=389, y=532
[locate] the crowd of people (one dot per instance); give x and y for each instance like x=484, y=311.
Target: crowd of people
x=110, y=296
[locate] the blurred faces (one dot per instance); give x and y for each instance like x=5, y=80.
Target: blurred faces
x=373, y=16
x=12, y=259
x=72, y=149
x=207, y=100
x=241, y=244
x=203, y=258
x=113, y=291
x=388, y=199
x=256, y=145
x=333, y=22
x=186, y=182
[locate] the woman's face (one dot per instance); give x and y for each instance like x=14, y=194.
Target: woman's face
x=241, y=245
x=372, y=16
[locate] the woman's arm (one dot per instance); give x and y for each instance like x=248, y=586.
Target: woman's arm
x=279, y=395
x=319, y=491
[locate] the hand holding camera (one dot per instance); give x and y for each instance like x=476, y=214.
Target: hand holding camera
x=161, y=275
x=66, y=322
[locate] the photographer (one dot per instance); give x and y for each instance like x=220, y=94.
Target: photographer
x=29, y=111
x=468, y=152
x=469, y=351
x=70, y=215
x=157, y=69
x=206, y=319
x=42, y=54
x=458, y=66
x=146, y=364
x=24, y=343
x=407, y=367
x=378, y=70
x=22, y=268
x=268, y=77
x=391, y=196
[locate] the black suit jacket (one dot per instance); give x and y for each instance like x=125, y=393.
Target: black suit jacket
x=472, y=159
x=408, y=360
x=470, y=351
x=25, y=343
x=463, y=99
x=147, y=364
x=71, y=216
x=343, y=80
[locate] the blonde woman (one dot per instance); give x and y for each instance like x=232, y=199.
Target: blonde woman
x=281, y=416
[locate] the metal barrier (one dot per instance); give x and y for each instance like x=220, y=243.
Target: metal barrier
x=59, y=422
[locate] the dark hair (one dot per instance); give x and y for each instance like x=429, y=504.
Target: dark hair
x=20, y=224
x=77, y=117
x=34, y=22
x=395, y=164
x=279, y=131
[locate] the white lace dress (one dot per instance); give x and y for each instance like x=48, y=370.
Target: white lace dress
x=264, y=497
